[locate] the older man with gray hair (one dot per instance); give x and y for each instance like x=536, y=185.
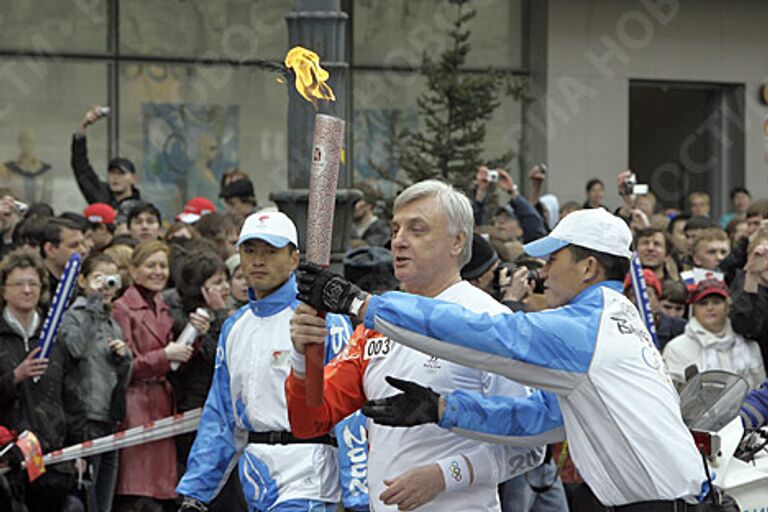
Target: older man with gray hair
x=431, y=241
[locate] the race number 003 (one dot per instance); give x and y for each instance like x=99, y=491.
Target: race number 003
x=377, y=347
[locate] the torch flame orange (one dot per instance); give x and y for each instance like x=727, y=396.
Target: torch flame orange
x=310, y=77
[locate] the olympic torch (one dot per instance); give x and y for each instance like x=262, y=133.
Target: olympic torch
x=327, y=141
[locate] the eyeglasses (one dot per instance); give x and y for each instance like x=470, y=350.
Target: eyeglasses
x=23, y=284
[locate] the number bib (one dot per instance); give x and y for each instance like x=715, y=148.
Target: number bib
x=377, y=347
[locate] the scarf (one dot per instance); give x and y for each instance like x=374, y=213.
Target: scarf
x=723, y=345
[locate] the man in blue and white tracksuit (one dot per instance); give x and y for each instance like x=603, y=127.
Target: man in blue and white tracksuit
x=245, y=413
x=605, y=386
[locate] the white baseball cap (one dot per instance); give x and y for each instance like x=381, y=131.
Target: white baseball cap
x=275, y=228
x=592, y=228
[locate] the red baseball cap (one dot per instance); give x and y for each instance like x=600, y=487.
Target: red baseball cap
x=100, y=213
x=196, y=208
x=650, y=280
x=708, y=287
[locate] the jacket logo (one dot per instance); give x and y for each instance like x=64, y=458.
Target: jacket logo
x=433, y=363
x=280, y=358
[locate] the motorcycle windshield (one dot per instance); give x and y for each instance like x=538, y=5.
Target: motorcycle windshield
x=712, y=399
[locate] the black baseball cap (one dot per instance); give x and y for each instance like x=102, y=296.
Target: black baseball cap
x=122, y=164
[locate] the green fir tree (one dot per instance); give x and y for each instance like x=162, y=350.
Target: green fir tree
x=453, y=112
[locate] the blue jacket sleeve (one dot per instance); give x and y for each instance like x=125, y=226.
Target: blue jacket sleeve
x=522, y=421
x=218, y=445
x=754, y=411
x=549, y=350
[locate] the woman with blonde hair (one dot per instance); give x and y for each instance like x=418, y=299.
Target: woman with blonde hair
x=148, y=473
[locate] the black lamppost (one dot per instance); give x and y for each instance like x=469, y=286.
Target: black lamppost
x=318, y=25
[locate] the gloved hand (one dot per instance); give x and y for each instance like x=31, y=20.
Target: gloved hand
x=326, y=291
x=192, y=505
x=416, y=405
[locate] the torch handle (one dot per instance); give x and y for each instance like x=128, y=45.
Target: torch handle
x=327, y=141
x=315, y=356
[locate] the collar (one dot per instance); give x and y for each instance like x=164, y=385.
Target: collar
x=135, y=300
x=17, y=326
x=283, y=297
x=616, y=286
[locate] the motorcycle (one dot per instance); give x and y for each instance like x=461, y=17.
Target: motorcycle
x=710, y=402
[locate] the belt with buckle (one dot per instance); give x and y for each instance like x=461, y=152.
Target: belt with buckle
x=282, y=437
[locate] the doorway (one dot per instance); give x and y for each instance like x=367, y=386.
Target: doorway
x=687, y=137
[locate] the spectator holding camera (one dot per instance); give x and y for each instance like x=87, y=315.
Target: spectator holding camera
x=531, y=223
x=121, y=173
x=95, y=342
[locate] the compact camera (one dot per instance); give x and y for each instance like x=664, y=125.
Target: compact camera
x=493, y=176
x=631, y=186
x=104, y=111
x=112, y=281
x=20, y=208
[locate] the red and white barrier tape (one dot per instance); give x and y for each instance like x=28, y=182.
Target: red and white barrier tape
x=153, y=431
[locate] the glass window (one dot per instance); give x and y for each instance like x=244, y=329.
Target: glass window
x=186, y=125
x=398, y=32
x=41, y=105
x=223, y=29
x=42, y=25
x=385, y=104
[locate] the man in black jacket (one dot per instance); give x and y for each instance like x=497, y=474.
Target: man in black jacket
x=121, y=173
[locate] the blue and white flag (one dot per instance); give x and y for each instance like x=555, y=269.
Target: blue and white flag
x=641, y=296
x=59, y=304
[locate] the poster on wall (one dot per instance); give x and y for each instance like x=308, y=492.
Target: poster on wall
x=377, y=135
x=186, y=149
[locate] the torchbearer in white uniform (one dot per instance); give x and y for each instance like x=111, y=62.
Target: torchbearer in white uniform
x=424, y=467
x=605, y=386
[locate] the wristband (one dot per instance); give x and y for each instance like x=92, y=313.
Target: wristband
x=298, y=362
x=455, y=472
x=355, y=306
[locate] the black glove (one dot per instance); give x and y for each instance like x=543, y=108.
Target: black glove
x=326, y=291
x=417, y=405
x=192, y=505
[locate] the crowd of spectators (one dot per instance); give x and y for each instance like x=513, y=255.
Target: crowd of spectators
x=116, y=363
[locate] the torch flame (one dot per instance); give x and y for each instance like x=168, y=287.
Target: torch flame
x=310, y=77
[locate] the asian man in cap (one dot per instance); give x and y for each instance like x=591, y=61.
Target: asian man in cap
x=245, y=420
x=121, y=173
x=591, y=354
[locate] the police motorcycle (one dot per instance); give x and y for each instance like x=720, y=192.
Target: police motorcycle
x=710, y=402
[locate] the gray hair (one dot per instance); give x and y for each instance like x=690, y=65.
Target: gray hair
x=456, y=206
